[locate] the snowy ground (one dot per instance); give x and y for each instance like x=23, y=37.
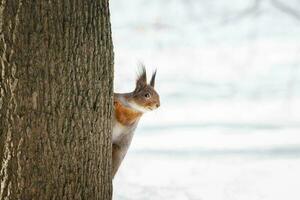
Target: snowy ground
x=229, y=80
x=196, y=177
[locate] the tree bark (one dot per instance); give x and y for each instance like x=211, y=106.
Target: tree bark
x=56, y=92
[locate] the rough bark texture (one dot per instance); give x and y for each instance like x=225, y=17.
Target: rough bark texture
x=56, y=77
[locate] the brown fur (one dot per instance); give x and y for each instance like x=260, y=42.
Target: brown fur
x=125, y=115
x=138, y=96
x=128, y=108
x=116, y=154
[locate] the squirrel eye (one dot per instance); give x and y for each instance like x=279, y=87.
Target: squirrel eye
x=147, y=95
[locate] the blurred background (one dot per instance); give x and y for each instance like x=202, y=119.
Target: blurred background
x=229, y=80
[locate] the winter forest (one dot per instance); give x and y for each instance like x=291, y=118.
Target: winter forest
x=225, y=125
x=229, y=80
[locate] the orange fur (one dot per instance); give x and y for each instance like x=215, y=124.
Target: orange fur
x=125, y=115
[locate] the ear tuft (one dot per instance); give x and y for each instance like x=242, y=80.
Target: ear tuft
x=142, y=76
x=152, y=82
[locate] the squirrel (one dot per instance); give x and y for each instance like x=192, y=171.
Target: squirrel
x=128, y=109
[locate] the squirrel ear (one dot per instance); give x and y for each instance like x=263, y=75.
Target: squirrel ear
x=142, y=76
x=152, y=82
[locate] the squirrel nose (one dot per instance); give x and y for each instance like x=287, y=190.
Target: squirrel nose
x=157, y=105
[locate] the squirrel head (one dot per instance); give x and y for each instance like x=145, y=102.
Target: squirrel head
x=144, y=98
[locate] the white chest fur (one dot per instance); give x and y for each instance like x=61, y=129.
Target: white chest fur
x=118, y=131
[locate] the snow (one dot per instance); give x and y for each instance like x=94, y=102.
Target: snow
x=229, y=81
x=146, y=176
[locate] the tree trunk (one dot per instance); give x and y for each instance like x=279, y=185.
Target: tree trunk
x=56, y=77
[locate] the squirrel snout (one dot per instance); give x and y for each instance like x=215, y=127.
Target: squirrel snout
x=157, y=105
